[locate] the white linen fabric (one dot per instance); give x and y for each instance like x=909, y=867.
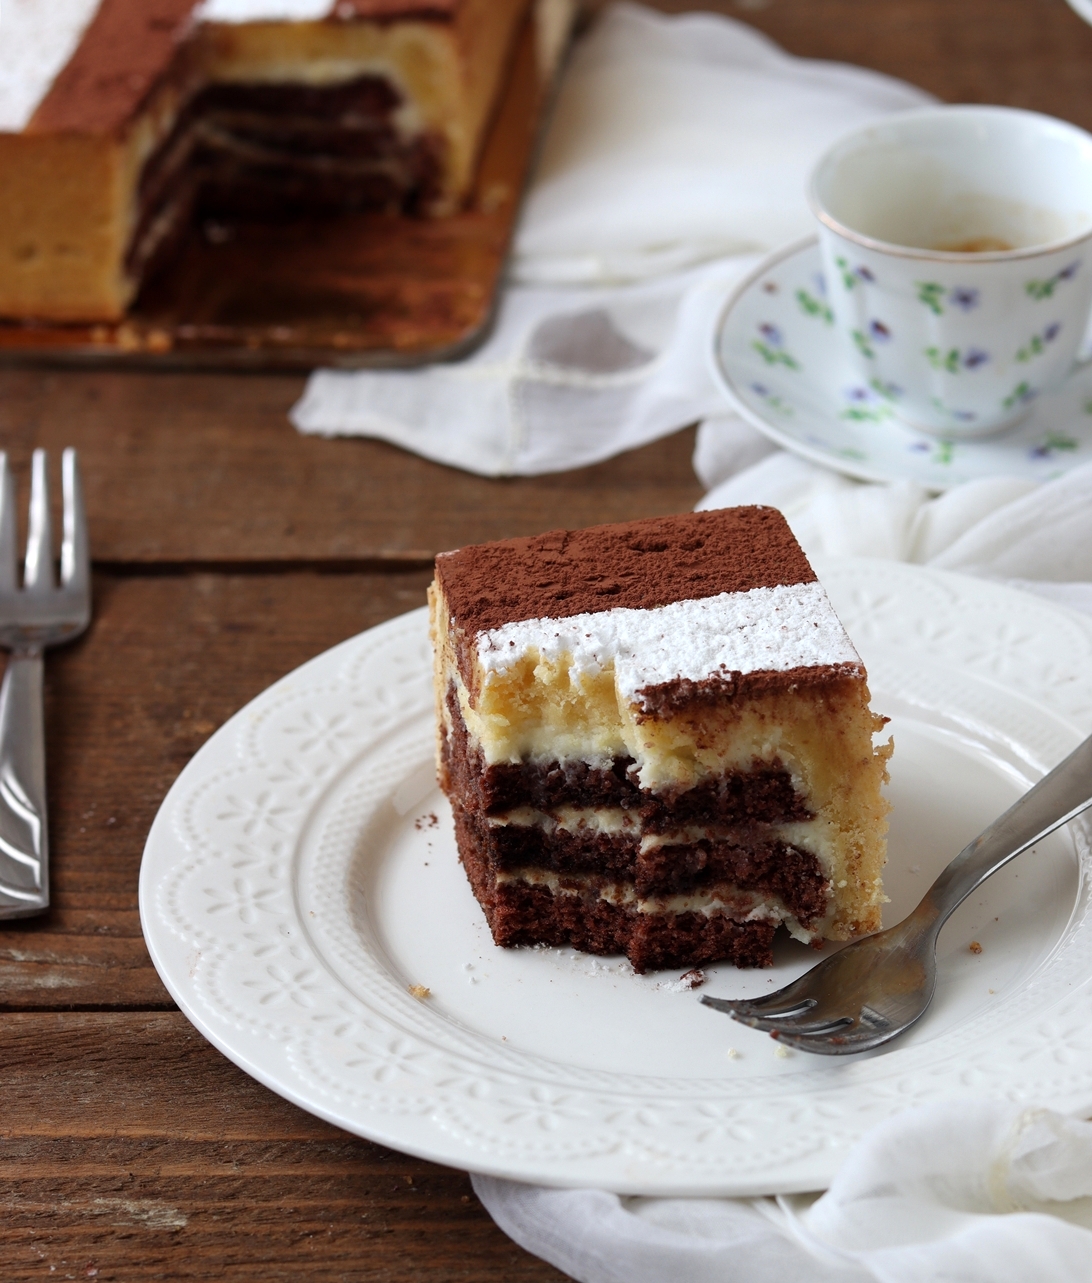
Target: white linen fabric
x=1034, y=536
x=974, y=1191
x=679, y=149
x=567, y=378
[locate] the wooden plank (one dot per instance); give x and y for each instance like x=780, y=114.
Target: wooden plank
x=1022, y=53
x=166, y=660
x=207, y=468
x=134, y=1151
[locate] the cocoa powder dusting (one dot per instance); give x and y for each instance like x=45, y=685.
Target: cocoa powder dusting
x=126, y=48
x=636, y=564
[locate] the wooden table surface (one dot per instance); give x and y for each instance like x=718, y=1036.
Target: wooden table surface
x=228, y=549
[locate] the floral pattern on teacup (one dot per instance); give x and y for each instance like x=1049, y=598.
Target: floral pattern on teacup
x=852, y=276
x=932, y=295
x=1020, y=395
x=956, y=359
x=1039, y=290
x=885, y=388
x=771, y=347
x=772, y=399
x=1052, y=444
x=864, y=406
x=823, y=408
x=812, y=306
x=935, y=296
x=954, y=413
x=1037, y=344
x=942, y=451
x=878, y=332
x=863, y=346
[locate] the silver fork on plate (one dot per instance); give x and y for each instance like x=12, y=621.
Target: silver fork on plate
x=32, y=617
x=874, y=989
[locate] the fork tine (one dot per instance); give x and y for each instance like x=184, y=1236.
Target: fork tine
x=7, y=527
x=38, y=568
x=817, y=1029
x=747, y=1007
x=75, y=556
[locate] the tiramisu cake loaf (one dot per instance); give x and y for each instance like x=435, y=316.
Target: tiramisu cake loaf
x=123, y=120
x=656, y=741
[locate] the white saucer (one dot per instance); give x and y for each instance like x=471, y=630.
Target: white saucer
x=301, y=880
x=777, y=356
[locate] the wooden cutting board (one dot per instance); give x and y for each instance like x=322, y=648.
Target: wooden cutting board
x=352, y=291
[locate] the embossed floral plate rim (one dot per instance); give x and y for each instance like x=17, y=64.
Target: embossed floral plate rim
x=777, y=357
x=254, y=923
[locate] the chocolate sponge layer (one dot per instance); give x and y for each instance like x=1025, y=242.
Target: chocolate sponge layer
x=768, y=867
x=750, y=858
x=521, y=914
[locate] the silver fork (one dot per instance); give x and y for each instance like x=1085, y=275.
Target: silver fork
x=37, y=615
x=874, y=989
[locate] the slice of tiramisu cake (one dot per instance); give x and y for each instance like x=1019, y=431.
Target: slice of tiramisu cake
x=656, y=741
x=123, y=122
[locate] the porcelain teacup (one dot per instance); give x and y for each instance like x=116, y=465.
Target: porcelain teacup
x=957, y=252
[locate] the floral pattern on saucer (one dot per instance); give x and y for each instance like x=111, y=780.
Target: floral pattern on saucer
x=778, y=356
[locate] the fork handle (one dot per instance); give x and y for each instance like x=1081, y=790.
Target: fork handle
x=24, y=837
x=1059, y=796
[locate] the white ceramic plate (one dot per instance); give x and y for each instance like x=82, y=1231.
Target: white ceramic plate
x=302, y=875
x=777, y=356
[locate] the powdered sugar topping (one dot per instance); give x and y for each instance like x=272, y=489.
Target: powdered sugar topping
x=263, y=10
x=763, y=630
x=38, y=38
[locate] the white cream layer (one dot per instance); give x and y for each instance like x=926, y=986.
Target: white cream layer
x=764, y=630
x=740, y=906
x=571, y=819
x=37, y=38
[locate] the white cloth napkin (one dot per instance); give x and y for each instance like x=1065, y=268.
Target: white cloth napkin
x=966, y=1192
x=1036, y=537
x=679, y=149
